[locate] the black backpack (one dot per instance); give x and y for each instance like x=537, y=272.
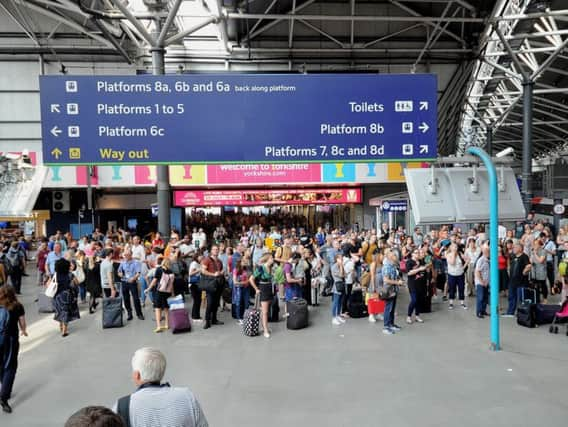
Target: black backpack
x=10, y=263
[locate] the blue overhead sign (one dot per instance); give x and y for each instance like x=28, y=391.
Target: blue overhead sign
x=394, y=206
x=236, y=118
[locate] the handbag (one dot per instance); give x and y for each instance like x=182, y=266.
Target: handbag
x=365, y=279
x=370, y=295
x=340, y=286
x=387, y=292
x=79, y=274
x=207, y=283
x=51, y=289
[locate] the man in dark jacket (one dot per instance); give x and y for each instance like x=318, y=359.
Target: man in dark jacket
x=519, y=277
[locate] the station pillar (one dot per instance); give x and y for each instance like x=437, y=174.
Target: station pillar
x=162, y=171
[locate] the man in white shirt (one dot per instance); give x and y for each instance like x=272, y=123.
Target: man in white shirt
x=199, y=238
x=349, y=270
x=139, y=254
x=186, y=247
x=156, y=404
x=550, y=250
x=107, y=275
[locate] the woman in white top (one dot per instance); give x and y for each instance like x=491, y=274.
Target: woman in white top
x=472, y=252
x=193, y=279
x=456, y=275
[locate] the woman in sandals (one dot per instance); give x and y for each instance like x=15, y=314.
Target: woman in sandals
x=261, y=281
x=65, y=300
x=164, y=289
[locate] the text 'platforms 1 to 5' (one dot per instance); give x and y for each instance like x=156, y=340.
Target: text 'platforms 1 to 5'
x=237, y=118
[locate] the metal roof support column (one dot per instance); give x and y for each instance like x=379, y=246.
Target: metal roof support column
x=489, y=141
x=526, y=188
x=162, y=171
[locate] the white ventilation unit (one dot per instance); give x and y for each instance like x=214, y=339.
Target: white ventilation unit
x=60, y=201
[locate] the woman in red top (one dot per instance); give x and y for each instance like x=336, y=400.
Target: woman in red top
x=213, y=267
x=41, y=259
x=503, y=262
x=158, y=241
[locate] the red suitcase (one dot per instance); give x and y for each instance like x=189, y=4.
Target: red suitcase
x=376, y=306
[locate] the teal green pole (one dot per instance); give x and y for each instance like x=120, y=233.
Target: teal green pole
x=493, y=243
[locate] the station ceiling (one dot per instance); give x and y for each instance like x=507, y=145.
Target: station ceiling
x=482, y=50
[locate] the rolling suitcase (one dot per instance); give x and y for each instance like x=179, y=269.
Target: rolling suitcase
x=179, y=321
x=526, y=312
x=544, y=313
x=112, y=312
x=274, y=310
x=44, y=303
x=251, y=321
x=298, y=314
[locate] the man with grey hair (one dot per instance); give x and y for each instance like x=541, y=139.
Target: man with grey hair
x=130, y=271
x=155, y=404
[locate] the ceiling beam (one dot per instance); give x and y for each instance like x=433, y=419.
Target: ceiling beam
x=277, y=21
x=358, y=18
x=548, y=61
x=323, y=33
x=66, y=21
x=412, y=12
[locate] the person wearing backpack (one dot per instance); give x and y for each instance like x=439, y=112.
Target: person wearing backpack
x=15, y=263
x=12, y=317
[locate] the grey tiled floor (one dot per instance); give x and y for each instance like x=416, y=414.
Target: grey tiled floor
x=439, y=373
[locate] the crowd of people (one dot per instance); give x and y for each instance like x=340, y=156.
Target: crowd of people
x=272, y=264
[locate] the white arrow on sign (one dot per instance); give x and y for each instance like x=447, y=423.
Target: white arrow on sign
x=423, y=127
x=423, y=149
x=55, y=131
x=423, y=105
x=55, y=108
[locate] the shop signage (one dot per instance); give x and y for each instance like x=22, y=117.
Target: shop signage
x=319, y=196
x=238, y=118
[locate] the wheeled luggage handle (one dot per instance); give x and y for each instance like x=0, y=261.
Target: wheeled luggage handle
x=534, y=301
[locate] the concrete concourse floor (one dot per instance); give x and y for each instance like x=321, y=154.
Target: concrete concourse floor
x=439, y=373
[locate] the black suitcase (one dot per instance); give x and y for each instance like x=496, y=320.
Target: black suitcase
x=544, y=313
x=356, y=305
x=298, y=314
x=112, y=313
x=274, y=310
x=526, y=312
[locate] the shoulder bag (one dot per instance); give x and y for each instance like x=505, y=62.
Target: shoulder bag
x=79, y=273
x=207, y=283
x=51, y=289
x=340, y=286
x=387, y=292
